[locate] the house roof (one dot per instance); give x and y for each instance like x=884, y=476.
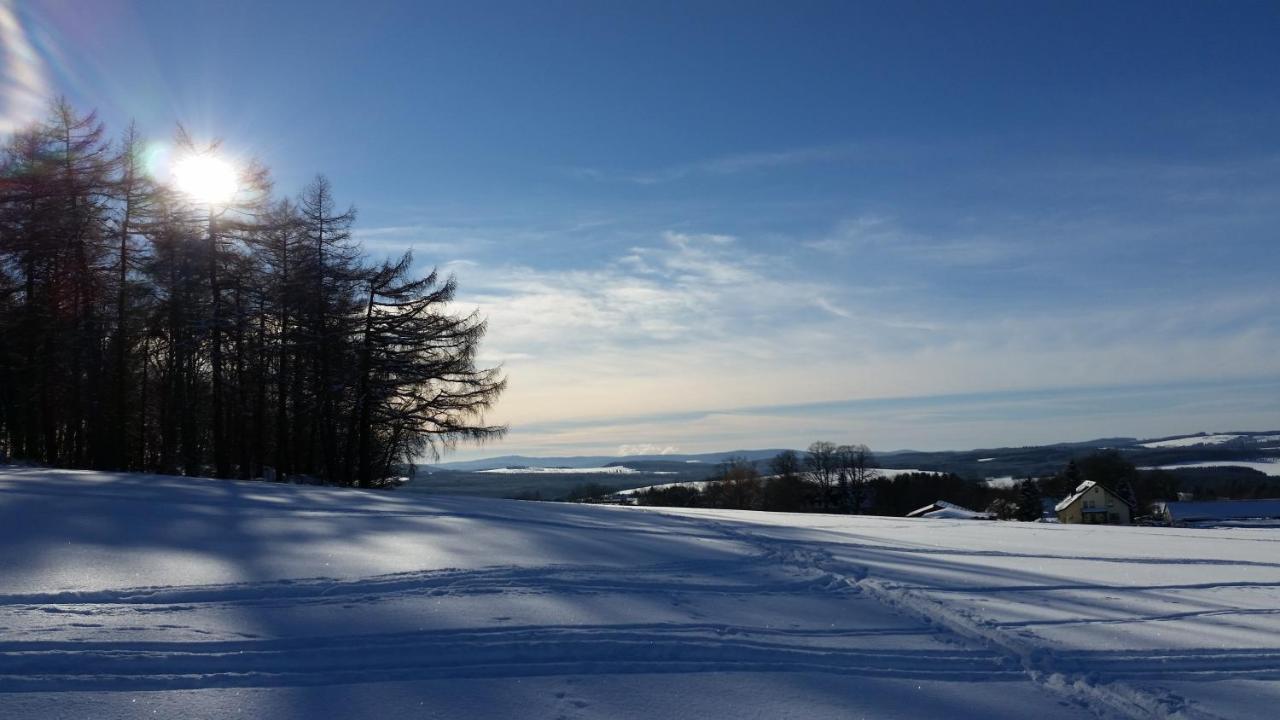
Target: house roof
x=944, y=510
x=1081, y=489
x=1223, y=509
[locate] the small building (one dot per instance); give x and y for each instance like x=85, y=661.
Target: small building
x=943, y=510
x=1220, y=512
x=1093, y=504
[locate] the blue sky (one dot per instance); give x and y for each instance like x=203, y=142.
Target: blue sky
x=702, y=226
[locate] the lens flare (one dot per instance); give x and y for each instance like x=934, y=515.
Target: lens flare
x=24, y=89
x=206, y=178
x=157, y=158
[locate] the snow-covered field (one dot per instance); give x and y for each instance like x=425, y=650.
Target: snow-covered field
x=692, y=484
x=610, y=470
x=1191, y=441
x=1269, y=466
x=132, y=596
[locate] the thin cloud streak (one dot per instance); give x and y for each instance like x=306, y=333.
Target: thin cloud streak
x=947, y=422
x=729, y=165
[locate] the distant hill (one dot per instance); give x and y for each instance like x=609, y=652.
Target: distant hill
x=584, y=461
x=521, y=475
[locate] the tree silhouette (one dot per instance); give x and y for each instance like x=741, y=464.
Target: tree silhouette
x=147, y=331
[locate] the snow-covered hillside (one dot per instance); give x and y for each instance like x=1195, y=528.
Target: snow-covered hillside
x=132, y=596
x=1191, y=441
x=611, y=470
x=1268, y=466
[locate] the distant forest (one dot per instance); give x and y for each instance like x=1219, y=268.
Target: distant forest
x=145, y=330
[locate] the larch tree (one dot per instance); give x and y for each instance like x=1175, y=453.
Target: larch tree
x=418, y=388
x=148, y=328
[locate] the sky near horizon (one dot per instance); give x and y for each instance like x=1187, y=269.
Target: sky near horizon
x=701, y=226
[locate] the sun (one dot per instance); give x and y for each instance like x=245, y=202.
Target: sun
x=206, y=178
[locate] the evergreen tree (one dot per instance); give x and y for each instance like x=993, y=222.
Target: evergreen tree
x=1030, y=505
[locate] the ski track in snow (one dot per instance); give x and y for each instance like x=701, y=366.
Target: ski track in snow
x=1096, y=622
x=1071, y=676
x=474, y=652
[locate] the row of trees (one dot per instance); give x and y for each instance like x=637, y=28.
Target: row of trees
x=790, y=484
x=146, y=331
x=842, y=478
x=826, y=478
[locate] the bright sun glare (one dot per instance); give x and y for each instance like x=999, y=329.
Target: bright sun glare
x=205, y=178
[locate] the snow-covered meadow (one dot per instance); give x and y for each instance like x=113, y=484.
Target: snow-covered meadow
x=1191, y=441
x=1267, y=466
x=132, y=595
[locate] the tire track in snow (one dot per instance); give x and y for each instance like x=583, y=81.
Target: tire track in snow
x=737, y=579
x=1072, y=677
x=497, y=653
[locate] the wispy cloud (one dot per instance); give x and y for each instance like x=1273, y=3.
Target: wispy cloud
x=727, y=165
x=701, y=321
x=422, y=239
x=872, y=235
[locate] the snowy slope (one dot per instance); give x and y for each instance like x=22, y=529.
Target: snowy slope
x=132, y=596
x=1269, y=466
x=611, y=470
x=1190, y=441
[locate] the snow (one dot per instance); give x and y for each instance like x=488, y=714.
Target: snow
x=1081, y=489
x=895, y=472
x=124, y=596
x=956, y=514
x=1269, y=466
x=611, y=470
x=943, y=510
x=1004, y=481
x=1190, y=441
x=986, y=459
x=692, y=484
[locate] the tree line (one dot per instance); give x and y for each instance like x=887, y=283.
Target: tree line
x=144, y=330
x=826, y=478
x=844, y=479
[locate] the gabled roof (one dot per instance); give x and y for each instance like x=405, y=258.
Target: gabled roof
x=1081, y=489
